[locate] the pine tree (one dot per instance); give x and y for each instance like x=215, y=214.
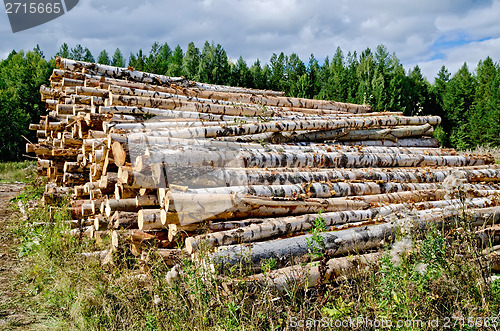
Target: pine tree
x=240, y=74
x=118, y=60
x=87, y=55
x=63, y=51
x=220, y=68
x=483, y=122
x=257, y=76
x=458, y=102
x=191, y=61
x=277, y=67
x=77, y=53
x=206, y=64
x=295, y=70
x=103, y=58
x=314, y=73
x=175, y=62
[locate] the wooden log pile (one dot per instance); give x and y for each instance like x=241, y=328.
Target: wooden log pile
x=148, y=159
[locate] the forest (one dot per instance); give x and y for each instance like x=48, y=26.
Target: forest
x=467, y=101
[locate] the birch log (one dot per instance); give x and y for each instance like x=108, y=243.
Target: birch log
x=299, y=276
x=258, y=159
x=351, y=241
x=288, y=225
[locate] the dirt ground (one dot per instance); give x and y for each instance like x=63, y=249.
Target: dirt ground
x=12, y=314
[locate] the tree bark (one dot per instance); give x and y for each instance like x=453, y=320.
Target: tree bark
x=288, y=225
x=299, y=276
x=149, y=219
x=403, y=142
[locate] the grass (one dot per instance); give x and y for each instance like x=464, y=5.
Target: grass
x=21, y=172
x=426, y=275
x=483, y=150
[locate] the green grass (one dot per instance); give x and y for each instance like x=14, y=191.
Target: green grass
x=12, y=172
x=433, y=274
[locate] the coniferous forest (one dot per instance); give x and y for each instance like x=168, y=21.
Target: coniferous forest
x=468, y=101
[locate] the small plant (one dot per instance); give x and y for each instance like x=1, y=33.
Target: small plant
x=268, y=264
x=316, y=243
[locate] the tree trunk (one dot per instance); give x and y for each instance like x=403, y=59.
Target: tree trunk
x=123, y=220
x=212, y=177
x=149, y=219
x=403, y=142
x=299, y=276
x=388, y=134
x=299, y=125
x=288, y=225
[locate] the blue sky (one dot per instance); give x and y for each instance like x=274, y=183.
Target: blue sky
x=427, y=33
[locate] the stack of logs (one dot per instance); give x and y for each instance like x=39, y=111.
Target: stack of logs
x=146, y=159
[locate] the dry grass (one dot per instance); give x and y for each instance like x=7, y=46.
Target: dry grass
x=484, y=150
x=437, y=275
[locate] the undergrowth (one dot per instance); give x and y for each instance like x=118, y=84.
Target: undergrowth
x=426, y=275
x=21, y=172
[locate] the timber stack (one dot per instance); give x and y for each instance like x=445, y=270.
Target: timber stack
x=146, y=158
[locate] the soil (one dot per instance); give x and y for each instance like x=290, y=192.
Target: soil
x=13, y=316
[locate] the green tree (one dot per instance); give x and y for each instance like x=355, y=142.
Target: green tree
x=365, y=71
x=220, y=69
x=334, y=87
x=77, y=53
x=458, y=102
x=277, y=67
x=138, y=62
x=103, y=58
x=158, y=59
x=118, y=60
x=87, y=55
x=191, y=61
x=314, y=75
x=175, y=62
x=21, y=75
x=63, y=51
x=257, y=76
x=419, y=96
x=240, y=74
x=484, y=121
x=206, y=64
x=399, y=87
x=295, y=70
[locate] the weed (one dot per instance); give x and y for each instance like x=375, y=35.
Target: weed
x=316, y=243
x=268, y=264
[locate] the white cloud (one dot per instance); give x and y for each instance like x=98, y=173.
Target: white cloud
x=257, y=28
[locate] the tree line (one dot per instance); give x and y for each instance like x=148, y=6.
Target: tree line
x=468, y=101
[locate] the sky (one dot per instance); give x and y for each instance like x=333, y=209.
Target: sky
x=427, y=33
